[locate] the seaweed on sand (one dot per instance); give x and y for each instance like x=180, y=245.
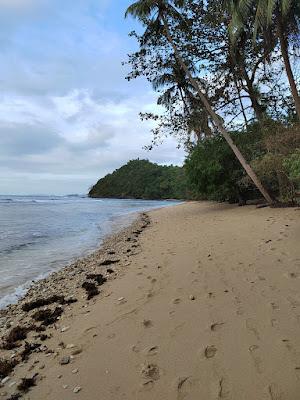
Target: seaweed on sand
x=91, y=289
x=110, y=271
x=26, y=384
x=15, y=396
x=108, y=262
x=6, y=367
x=99, y=278
x=16, y=334
x=31, y=305
x=48, y=317
x=29, y=348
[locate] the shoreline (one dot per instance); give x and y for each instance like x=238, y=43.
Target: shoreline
x=107, y=261
x=78, y=264
x=79, y=238
x=118, y=224
x=203, y=299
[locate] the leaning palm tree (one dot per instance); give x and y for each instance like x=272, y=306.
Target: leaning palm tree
x=278, y=20
x=175, y=84
x=154, y=14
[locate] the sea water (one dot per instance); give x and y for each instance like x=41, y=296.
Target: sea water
x=40, y=234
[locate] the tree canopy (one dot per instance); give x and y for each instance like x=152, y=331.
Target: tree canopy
x=141, y=179
x=222, y=68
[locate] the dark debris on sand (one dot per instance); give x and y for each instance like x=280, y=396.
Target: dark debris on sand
x=110, y=271
x=18, y=333
x=6, y=367
x=15, y=396
x=26, y=384
x=99, y=278
x=48, y=317
x=28, y=349
x=46, y=302
x=108, y=262
x=91, y=289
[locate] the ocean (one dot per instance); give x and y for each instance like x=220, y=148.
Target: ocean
x=40, y=234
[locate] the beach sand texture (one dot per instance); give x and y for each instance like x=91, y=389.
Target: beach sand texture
x=207, y=306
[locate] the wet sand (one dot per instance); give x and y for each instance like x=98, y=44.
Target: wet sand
x=202, y=303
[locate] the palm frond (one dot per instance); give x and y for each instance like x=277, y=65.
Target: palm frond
x=270, y=10
x=163, y=80
x=166, y=98
x=141, y=9
x=286, y=6
x=261, y=16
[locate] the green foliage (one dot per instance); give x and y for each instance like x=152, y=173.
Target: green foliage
x=215, y=172
x=217, y=66
x=292, y=165
x=141, y=179
x=278, y=165
x=273, y=151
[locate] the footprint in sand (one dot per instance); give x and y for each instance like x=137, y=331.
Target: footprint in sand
x=287, y=344
x=147, y=323
x=187, y=388
x=148, y=385
x=274, y=392
x=176, y=301
x=217, y=326
x=181, y=387
x=150, y=371
x=152, y=351
x=257, y=361
x=275, y=306
x=223, y=392
x=250, y=324
x=274, y=322
x=210, y=351
x=293, y=275
x=293, y=302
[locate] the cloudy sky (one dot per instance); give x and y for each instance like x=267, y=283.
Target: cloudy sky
x=67, y=115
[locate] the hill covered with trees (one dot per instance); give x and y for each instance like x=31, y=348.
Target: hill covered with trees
x=141, y=179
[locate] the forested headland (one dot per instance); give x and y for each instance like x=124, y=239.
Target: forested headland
x=141, y=179
x=227, y=76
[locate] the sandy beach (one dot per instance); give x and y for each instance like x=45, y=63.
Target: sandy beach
x=196, y=301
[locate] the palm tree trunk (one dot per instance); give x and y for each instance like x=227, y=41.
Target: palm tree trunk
x=287, y=64
x=185, y=106
x=216, y=119
x=258, y=110
x=241, y=101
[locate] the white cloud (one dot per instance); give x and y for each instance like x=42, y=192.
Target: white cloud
x=75, y=135
x=67, y=115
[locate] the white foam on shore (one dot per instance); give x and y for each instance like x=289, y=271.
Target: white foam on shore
x=112, y=226
x=13, y=298
x=117, y=224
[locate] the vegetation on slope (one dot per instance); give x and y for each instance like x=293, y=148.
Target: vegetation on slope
x=141, y=179
x=212, y=172
x=273, y=151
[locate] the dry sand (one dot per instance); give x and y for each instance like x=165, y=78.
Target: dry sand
x=206, y=306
